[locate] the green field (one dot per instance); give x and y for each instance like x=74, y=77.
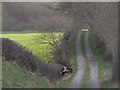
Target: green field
x=35, y=42
x=14, y=76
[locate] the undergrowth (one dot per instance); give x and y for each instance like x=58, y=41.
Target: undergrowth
x=104, y=67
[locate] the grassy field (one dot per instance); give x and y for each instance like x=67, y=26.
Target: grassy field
x=39, y=48
x=13, y=76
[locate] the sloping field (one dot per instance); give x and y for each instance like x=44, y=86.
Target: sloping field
x=13, y=75
x=37, y=43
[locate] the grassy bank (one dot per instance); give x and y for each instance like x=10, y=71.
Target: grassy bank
x=99, y=60
x=15, y=77
x=104, y=68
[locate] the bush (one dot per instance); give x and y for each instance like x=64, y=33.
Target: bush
x=101, y=47
x=13, y=52
x=62, y=51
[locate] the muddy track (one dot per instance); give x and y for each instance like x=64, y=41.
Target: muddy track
x=80, y=66
x=93, y=65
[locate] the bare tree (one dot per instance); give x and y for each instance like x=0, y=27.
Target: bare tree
x=102, y=18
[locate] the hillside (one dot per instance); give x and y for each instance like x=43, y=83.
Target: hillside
x=15, y=77
x=64, y=44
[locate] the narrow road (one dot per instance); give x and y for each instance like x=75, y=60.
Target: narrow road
x=93, y=65
x=81, y=66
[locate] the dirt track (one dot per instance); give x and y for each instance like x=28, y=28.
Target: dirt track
x=81, y=66
x=93, y=65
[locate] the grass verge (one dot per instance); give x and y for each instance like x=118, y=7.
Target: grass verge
x=104, y=68
x=99, y=60
x=82, y=44
x=15, y=77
